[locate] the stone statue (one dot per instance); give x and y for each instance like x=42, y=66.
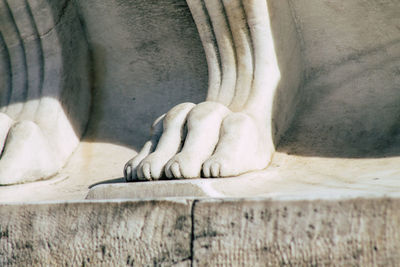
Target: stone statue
x=230, y=133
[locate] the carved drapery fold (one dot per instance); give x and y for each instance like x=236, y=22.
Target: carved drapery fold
x=238, y=43
x=44, y=96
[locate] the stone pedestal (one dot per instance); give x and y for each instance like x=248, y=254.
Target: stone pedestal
x=200, y=232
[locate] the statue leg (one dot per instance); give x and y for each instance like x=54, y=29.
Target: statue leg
x=46, y=98
x=246, y=139
x=230, y=133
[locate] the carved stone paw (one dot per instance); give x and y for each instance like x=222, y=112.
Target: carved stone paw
x=218, y=143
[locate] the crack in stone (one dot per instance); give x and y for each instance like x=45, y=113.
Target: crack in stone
x=191, y=256
x=60, y=16
x=59, y=19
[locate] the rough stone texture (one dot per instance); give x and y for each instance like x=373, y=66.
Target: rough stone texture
x=355, y=232
x=135, y=233
x=202, y=232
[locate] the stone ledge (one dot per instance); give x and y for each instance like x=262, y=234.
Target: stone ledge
x=257, y=184
x=154, y=189
x=223, y=232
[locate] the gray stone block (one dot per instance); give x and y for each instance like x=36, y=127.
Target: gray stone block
x=202, y=232
x=135, y=233
x=259, y=232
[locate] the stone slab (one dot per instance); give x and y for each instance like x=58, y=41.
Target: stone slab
x=259, y=232
x=252, y=186
x=288, y=178
x=156, y=189
x=134, y=233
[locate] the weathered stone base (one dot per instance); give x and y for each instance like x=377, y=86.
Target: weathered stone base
x=132, y=233
x=202, y=232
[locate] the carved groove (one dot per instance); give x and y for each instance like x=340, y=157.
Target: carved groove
x=223, y=35
x=244, y=51
x=228, y=34
x=35, y=63
x=18, y=66
x=40, y=48
x=207, y=36
x=53, y=56
x=5, y=93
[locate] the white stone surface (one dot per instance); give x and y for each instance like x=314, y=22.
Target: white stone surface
x=288, y=178
x=335, y=134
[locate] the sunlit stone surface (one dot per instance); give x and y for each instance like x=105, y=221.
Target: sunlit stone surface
x=81, y=83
